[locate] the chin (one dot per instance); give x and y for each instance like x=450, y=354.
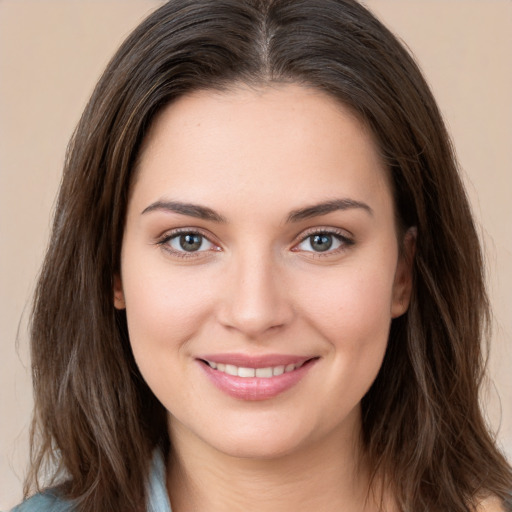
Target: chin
x=258, y=449
x=272, y=439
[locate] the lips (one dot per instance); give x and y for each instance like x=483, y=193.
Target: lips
x=255, y=378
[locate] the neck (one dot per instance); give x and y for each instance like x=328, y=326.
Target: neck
x=328, y=475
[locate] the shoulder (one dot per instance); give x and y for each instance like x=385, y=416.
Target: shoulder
x=44, y=502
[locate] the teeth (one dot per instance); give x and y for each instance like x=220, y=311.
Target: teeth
x=246, y=372
x=278, y=370
x=231, y=369
x=264, y=373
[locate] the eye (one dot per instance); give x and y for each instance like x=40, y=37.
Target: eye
x=186, y=243
x=189, y=242
x=323, y=242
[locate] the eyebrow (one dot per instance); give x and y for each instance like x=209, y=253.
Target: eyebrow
x=327, y=207
x=205, y=213
x=189, y=209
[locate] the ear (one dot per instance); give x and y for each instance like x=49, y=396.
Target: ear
x=402, y=286
x=119, y=302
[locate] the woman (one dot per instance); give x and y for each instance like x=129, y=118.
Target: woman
x=264, y=287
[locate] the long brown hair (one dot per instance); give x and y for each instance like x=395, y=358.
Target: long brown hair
x=96, y=422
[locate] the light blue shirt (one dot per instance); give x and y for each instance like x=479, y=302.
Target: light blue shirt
x=158, y=500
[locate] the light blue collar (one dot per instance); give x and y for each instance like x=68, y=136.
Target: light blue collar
x=158, y=499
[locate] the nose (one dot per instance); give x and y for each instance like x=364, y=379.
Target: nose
x=255, y=299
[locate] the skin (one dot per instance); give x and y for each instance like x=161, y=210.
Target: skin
x=258, y=286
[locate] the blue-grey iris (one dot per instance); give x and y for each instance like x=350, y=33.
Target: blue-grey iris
x=321, y=242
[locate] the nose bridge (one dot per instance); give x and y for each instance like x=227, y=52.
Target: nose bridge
x=255, y=300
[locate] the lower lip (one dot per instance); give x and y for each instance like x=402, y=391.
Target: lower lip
x=256, y=388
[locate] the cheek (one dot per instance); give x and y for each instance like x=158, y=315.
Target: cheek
x=165, y=309
x=164, y=306
x=352, y=313
x=358, y=299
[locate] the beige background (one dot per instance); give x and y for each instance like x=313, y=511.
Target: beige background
x=51, y=53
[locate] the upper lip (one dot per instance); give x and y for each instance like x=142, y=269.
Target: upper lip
x=256, y=361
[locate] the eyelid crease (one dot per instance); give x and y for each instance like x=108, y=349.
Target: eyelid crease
x=193, y=230
x=341, y=233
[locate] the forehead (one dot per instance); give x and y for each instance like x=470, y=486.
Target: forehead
x=259, y=143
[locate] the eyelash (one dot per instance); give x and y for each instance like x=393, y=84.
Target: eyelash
x=167, y=237
x=341, y=237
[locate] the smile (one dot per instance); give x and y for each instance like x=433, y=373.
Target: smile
x=255, y=378
x=244, y=372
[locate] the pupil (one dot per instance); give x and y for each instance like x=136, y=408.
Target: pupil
x=321, y=242
x=190, y=242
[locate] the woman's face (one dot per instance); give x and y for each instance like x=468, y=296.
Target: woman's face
x=260, y=268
